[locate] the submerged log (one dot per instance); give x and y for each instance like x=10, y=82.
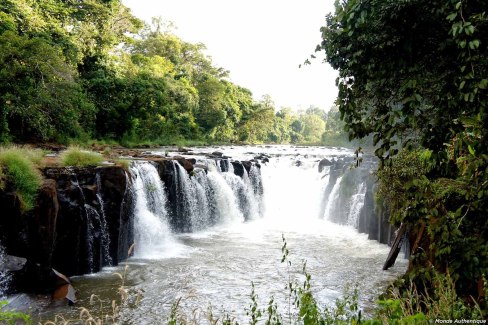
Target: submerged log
x=395, y=248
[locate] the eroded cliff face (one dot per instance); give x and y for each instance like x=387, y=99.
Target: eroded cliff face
x=81, y=221
x=349, y=186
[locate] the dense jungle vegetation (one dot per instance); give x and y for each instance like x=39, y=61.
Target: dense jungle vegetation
x=414, y=75
x=74, y=71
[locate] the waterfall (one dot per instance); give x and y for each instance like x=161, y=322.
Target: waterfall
x=357, y=203
x=201, y=218
x=332, y=205
x=248, y=203
x=188, y=194
x=152, y=232
x=256, y=183
x=226, y=203
x=4, y=274
x=105, y=236
x=90, y=214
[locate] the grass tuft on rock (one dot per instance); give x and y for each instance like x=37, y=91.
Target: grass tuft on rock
x=78, y=157
x=18, y=168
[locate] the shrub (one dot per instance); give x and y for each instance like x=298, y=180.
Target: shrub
x=12, y=317
x=19, y=169
x=77, y=157
x=124, y=163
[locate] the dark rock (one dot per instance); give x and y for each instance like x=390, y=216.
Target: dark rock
x=217, y=154
x=323, y=163
x=247, y=165
x=224, y=164
x=12, y=263
x=118, y=207
x=186, y=163
x=238, y=168
x=169, y=175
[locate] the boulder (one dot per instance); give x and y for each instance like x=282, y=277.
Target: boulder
x=238, y=168
x=12, y=263
x=323, y=163
x=186, y=163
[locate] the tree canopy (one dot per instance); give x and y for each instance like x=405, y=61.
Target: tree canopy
x=91, y=70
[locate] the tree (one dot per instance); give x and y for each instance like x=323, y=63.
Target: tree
x=413, y=74
x=403, y=74
x=313, y=128
x=259, y=124
x=39, y=95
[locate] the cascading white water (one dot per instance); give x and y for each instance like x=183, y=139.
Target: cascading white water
x=333, y=199
x=292, y=194
x=230, y=166
x=226, y=204
x=91, y=216
x=201, y=218
x=256, y=184
x=104, y=236
x=5, y=275
x=153, y=237
x=189, y=193
x=248, y=204
x=357, y=203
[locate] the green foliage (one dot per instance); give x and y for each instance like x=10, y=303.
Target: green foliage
x=405, y=168
x=412, y=307
x=19, y=170
x=412, y=74
x=12, y=317
x=398, y=86
x=78, y=157
x=74, y=73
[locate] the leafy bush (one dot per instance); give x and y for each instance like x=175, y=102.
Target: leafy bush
x=77, y=157
x=19, y=169
x=12, y=317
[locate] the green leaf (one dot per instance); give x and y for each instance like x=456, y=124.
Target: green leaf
x=471, y=150
x=452, y=16
x=483, y=83
x=469, y=30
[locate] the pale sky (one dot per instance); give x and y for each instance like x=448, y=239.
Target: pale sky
x=261, y=43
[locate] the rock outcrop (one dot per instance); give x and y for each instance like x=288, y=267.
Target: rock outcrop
x=64, y=231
